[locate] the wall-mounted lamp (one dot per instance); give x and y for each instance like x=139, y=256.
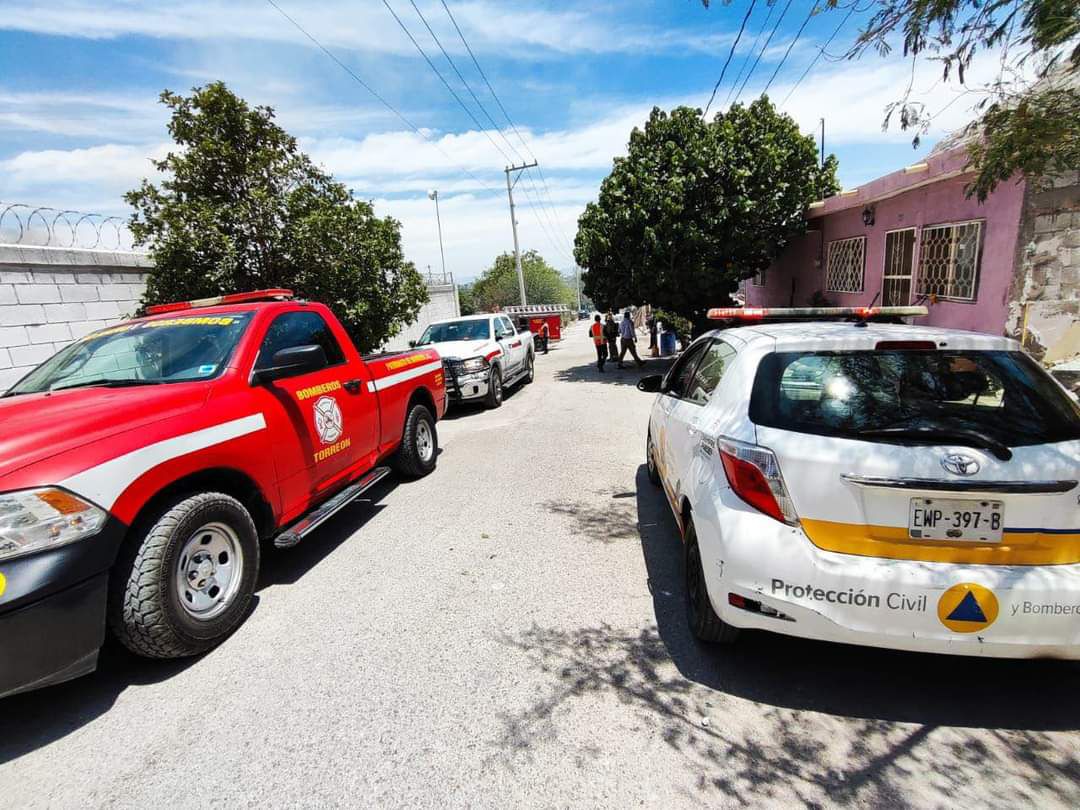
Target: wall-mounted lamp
x=868, y=216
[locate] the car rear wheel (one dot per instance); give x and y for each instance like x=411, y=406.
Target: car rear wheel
x=495, y=388
x=650, y=461
x=185, y=583
x=419, y=449
x=703, y=621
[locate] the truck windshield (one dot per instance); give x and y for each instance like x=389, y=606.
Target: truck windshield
x=999, y=397
x=165, y=350
x=456, y=330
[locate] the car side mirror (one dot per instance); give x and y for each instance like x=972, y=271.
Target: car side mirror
x=651, y=384
x=292, y=362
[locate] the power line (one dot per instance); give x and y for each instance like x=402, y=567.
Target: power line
x=821, y=51
x=763, y=49
x=378, y=97
x=731, y=53
x=442, y=78
x=813, y=10
x=513, y=127
x=746, y=59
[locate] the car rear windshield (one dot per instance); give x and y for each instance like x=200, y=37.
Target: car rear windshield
x=161, y=350
x=1001, y=393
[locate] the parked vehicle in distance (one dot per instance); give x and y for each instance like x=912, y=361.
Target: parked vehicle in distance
x=482, y=354
x=141, y=466
x=881, y=484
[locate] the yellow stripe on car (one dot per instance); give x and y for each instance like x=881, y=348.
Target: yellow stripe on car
x=893, y=543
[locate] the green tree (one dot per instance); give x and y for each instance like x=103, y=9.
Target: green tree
x=697, y=205
x=498, y=286
x=466, y=300
x=240, y=207
x=1029, y=127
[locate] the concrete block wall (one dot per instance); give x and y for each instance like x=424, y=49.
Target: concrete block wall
x=442, y=303
x=50, y=297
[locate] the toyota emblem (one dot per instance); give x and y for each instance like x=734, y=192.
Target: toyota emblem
x=959, y=464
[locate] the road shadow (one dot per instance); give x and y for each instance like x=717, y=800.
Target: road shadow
x=849, y=723
x=34, y=719
x=463, y=410
x=612, y=374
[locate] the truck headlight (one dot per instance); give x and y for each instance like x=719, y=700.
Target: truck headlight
x=36, y=519
x=474, y=364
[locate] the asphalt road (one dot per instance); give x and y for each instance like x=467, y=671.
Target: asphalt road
x=509, y=632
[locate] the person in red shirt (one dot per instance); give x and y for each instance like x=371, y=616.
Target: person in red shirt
x=596, y=332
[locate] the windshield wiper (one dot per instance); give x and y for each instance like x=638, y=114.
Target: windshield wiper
x=965, y=436
x=107, y=384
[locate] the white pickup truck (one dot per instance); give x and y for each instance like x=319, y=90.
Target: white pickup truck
x=482, y=354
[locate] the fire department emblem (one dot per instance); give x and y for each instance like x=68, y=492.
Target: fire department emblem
x=328, y=420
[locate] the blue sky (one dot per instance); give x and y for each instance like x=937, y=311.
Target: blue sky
x=79, y=117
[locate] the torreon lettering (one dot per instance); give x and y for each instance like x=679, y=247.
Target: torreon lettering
x=317, y=390
x=326, y=452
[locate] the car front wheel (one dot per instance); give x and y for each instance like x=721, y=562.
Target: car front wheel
x=495, y=389
x=185, y=582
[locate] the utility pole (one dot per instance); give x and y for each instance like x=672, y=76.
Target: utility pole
x=822, y=142
x=513, y=222
x=577, y=278
x=434, y=195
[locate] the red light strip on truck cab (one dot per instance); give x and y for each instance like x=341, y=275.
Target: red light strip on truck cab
x=818, y=313
x=275, y=294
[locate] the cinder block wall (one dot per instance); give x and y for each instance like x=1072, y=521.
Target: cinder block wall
x=442, y=303
x=50, y=297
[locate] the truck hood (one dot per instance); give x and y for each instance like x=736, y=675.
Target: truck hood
x=34, y=427
x=461, y=349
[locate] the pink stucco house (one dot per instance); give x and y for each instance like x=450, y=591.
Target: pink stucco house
x=1010, y=265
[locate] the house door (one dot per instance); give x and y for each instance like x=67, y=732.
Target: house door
x=896, y=284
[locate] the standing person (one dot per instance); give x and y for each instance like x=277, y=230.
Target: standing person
x=596, y=332
x=629, y=339
x=544, y=334
x=651, y=324
x=611, y=335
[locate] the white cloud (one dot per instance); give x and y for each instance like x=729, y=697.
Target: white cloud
x=491, y=26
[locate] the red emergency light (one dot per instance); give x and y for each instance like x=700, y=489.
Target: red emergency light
x=276, y=294
x=813, y=313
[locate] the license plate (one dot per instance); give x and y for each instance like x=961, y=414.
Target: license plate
x=954, y=519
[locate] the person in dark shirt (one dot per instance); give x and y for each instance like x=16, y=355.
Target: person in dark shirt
x=611, y=335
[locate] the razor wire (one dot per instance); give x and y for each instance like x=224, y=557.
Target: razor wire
x=42, y=226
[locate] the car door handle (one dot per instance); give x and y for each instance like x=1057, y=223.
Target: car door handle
x=352, y=386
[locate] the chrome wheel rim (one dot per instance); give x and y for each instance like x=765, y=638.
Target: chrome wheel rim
x=425, y=441
x=208, y=571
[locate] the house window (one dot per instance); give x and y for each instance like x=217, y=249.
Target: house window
x=844, y=263
x=759, y=279
x=949, y=257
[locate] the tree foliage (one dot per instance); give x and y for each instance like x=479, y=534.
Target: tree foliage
x=498, y=286
x=1032, y=128
x=240, y=207
x=697, y=205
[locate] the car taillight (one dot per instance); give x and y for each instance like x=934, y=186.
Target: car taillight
x=754, y=475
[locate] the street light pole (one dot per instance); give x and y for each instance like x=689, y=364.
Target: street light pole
x=513, y=223
x=434, y=195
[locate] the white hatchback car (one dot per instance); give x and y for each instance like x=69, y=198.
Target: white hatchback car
x=870, y=483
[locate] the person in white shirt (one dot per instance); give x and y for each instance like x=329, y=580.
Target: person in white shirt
x=629, y=340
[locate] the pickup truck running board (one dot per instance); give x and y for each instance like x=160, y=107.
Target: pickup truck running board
x=315, y=518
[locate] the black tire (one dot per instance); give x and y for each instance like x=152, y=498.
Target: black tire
x=494, y=396
x=650, y=461
x=419, y=449
x=145, y=611
x=530, y=368
x=703, y=621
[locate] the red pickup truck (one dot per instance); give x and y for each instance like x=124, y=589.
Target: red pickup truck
x=142, y=467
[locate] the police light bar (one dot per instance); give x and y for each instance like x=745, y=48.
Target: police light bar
x=275, y=294
x=814, y=313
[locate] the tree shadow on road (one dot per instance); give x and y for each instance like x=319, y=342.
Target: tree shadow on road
x=612, y=374
x=34, y=719
x=829, y=722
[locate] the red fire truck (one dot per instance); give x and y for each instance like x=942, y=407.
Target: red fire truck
x=141, y=466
